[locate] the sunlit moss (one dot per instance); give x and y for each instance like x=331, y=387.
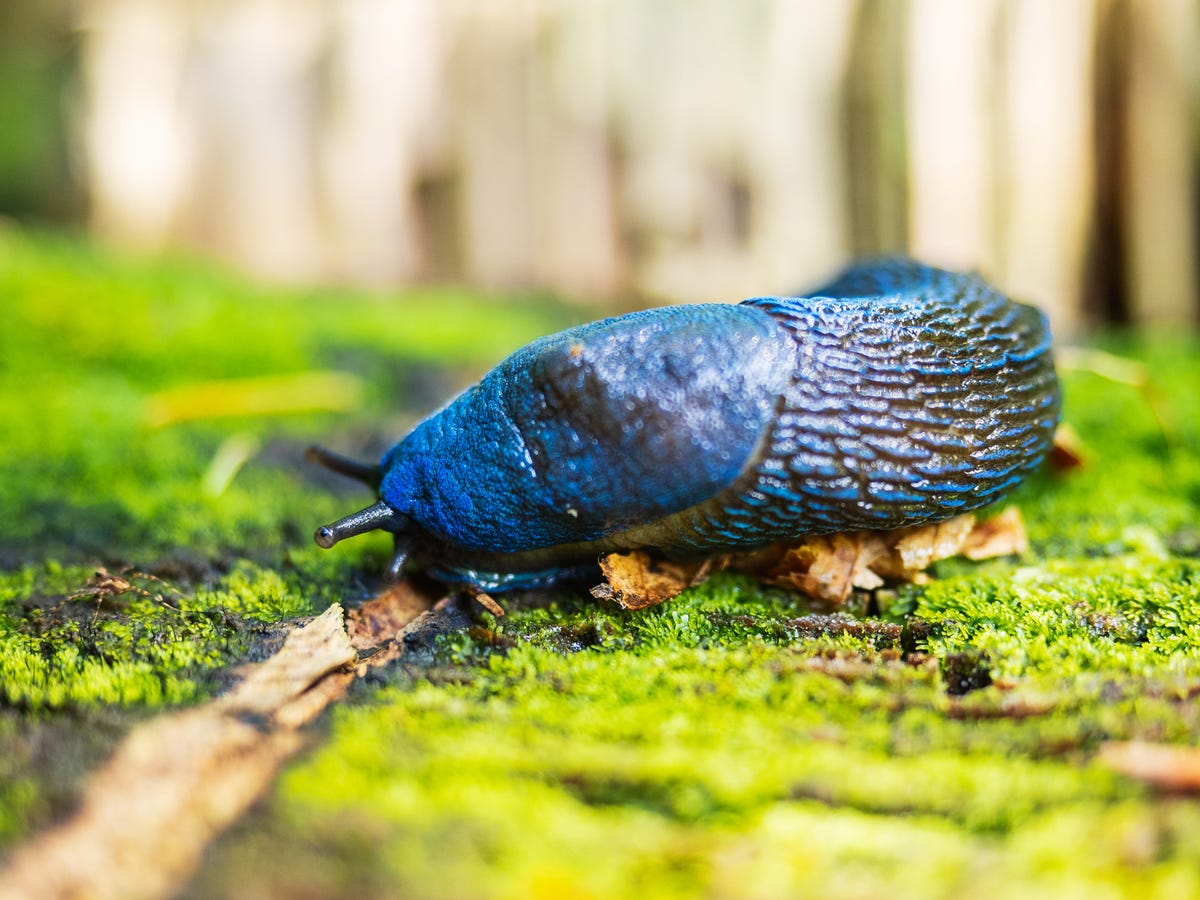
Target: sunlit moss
x=726, y=743
x=86, y=339
x=717, y=745
x=148, y=645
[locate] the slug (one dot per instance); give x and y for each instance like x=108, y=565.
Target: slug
x=898, y=394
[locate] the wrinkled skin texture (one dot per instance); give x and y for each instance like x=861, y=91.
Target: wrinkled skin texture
x=897, y=395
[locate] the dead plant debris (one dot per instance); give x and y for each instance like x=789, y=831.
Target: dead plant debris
x=104, y=585
x=1165, y=767
x=884, y=635
x=827, y=568
x=382, y=617
x=176, y=782
x=1067, y=451
x=1002, y=536
x=488, y=603
x=636, y=580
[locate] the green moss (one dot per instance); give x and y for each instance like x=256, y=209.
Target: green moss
x=150, y=645
x=733, y=742
x=738, y=769
x=44, y=757
x=1129, y=616
x=87, y=340
x=728, y=743
x=1141, y=487
x=18, y=794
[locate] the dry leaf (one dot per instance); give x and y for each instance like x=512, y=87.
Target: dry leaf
x=1067, y=451
x=828, y=568
x=1163, y=766
x=636, y=581
x=1003, y=535
x=920, y=547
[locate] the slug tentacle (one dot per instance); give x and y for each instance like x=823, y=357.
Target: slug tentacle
x=370, y=474
x=377, y=516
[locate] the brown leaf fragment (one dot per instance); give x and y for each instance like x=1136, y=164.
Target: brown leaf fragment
x=829, y=567
x=1168, y=768
x=918, y=548
x=379, y=619
x=636, y=580
x=1003, y=535
x=1067, y=451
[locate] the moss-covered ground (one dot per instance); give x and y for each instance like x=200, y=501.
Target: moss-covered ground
x=935, y=741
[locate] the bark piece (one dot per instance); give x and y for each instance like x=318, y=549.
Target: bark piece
x=177, y=781
x=380, y=619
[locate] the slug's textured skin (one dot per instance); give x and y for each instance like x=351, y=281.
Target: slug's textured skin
x=897, y=395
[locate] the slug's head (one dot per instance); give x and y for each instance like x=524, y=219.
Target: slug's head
x=378, y=516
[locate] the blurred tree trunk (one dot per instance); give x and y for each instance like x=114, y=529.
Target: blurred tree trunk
x=1162, y=162
x=676, y=151
x=875, y=132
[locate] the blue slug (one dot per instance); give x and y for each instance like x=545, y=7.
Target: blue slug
x=897, y=395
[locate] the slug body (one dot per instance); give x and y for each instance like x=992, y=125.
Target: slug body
x=897, y=395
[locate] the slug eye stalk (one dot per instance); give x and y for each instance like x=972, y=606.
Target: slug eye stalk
x=368, y=473
x=379, y=516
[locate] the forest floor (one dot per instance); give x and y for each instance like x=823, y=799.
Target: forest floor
x=1017, y=727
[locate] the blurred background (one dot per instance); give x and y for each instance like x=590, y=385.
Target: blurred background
x=619, y=152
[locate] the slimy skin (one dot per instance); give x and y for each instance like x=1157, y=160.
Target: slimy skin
x=896, y=395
